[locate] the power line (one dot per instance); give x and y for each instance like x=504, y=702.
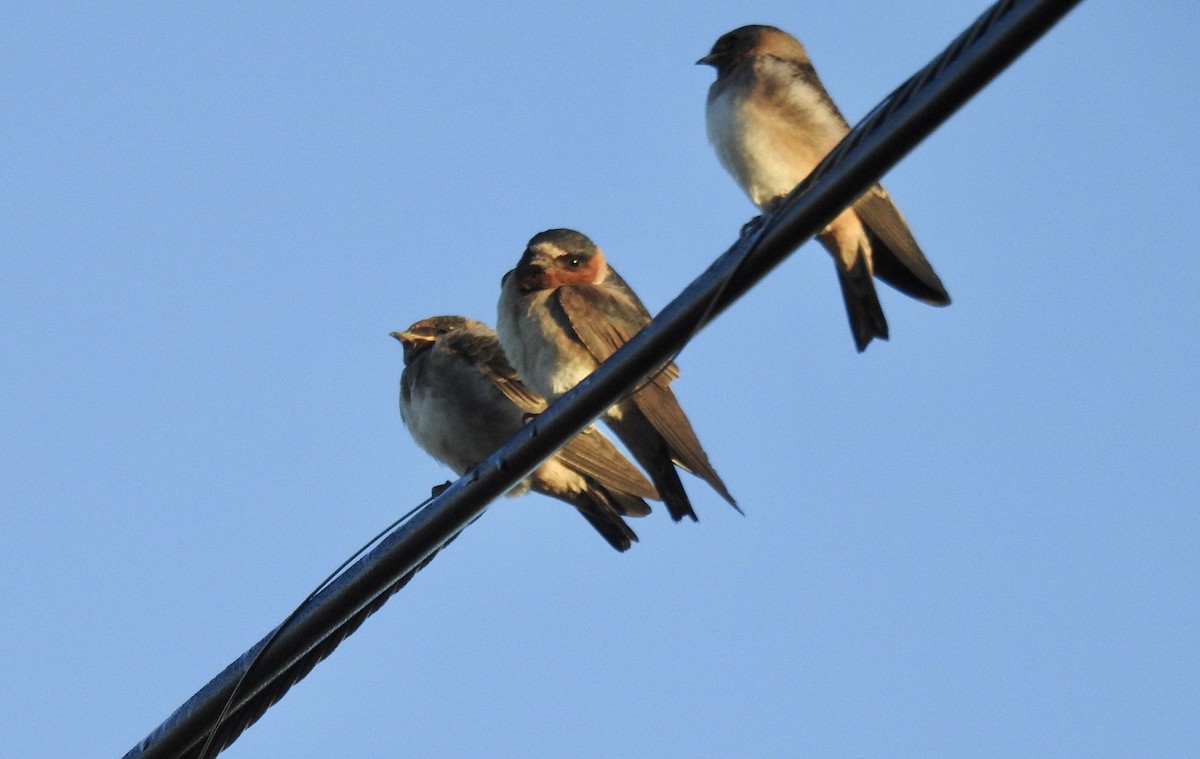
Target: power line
x=893, y=128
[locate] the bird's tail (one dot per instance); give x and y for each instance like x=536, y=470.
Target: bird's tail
x=652, y=452
x=862, y=304
x=666, y=478
x=603, y=514
x=628, y=505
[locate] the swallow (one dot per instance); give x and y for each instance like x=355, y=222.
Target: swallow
x=461, y=400
x=771, y=122
x=562, y=311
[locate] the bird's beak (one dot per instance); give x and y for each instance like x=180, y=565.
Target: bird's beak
x=411, y=338
x=414, y=344
x=708, y=60
x=529, y=277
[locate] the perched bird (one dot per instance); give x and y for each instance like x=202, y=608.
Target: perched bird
x=771, y=122
x=461, y=400
x=562, y=311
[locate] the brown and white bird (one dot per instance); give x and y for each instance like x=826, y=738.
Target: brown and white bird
x=771, y=122
x=461, y=400
x=562, y=311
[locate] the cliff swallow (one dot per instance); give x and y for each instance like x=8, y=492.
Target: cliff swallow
x=771, y=122
x=461, y=400
x=562, y=311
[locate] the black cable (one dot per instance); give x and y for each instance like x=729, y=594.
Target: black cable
x=249, y=712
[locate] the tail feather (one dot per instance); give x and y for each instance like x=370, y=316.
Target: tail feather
x=597, y=508
x=653, y=453
x=665, y=477
x=628, y=505
x=862, y=304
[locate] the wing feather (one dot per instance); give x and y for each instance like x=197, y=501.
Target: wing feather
x=897, y=258
x=603, y=320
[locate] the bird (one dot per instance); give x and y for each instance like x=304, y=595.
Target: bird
x=461, y=399
x=771, y=122
x=562, y=311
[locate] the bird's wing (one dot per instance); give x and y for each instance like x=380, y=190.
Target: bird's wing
x=897, y=258
x=606, y=317
x=592, y=454
x=486, y=355
x=604, y=321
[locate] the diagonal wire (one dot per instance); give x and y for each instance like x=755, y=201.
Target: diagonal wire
x=227, y=727
x=893, y=128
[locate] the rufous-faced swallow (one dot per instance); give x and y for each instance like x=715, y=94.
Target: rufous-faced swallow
x=771, y=122
x=461, y=400
x=562, y=311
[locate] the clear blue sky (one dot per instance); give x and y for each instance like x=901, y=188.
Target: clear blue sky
x=979, y=539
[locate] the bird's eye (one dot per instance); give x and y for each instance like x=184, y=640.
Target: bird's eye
x=573, y=262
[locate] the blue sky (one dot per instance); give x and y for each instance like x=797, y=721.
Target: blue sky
x=978, y=539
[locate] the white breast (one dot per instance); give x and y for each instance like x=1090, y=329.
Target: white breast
x=455, y=413
x=770, y=143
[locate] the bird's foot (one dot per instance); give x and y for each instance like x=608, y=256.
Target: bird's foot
x=752, y=226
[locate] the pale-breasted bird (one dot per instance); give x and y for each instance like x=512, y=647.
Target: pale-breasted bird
x=771, y=122
x=562, y=311
x=461, y=400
